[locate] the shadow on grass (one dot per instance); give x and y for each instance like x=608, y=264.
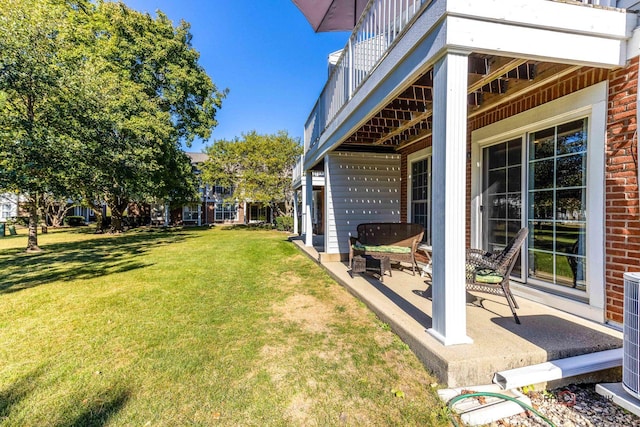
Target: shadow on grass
x=16, y=392
x=80, y=260
x=99, y=412
x=95, y=414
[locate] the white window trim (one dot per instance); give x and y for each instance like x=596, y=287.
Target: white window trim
x=591, y=103
x=412, y=158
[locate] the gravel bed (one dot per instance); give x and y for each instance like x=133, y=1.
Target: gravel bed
x=573, y=406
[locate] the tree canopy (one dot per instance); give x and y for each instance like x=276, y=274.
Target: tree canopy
x=257, y=167
x=95, y=102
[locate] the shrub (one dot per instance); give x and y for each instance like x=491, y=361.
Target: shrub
x=74, y=221
x=284, y=223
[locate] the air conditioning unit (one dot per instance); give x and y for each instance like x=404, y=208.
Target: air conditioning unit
x=631, y=342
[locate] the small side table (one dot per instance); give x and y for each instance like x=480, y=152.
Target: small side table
x=365, y=263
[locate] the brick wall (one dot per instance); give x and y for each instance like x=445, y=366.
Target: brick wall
x=622, y=228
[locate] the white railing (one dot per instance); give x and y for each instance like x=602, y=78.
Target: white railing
x=379, y=26
x=298, y=174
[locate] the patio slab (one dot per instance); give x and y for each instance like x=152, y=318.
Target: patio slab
x=404, y=302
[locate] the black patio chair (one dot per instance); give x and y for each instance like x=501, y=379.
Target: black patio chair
x=489, y=271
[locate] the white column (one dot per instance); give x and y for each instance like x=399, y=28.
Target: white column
x=308, y=199
x=295, y=212
x=449, y=198
x=303, y=207
x=166, y=214
x=328, y=237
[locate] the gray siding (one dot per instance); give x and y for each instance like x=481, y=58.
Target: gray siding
x=361, y=187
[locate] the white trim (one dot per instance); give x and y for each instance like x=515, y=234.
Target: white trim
x=412, y=158
x=592, y=103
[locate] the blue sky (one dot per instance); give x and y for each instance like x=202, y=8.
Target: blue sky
x=264, y=52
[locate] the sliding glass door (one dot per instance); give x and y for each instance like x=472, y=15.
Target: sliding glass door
x=557, y=204
x=502, y=190
x=538, y=180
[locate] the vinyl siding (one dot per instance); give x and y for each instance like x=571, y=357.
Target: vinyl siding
x=361, y=187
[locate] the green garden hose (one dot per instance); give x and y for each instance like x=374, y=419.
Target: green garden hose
x=499, y=396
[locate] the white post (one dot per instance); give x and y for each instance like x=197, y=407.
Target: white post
x=326, y=205
x=449, y=198
x=308, y=207
x=303, y=207
x=295, y=212
x=166, y=214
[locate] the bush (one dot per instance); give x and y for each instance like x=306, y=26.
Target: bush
x=74, y=221
x=284, y=223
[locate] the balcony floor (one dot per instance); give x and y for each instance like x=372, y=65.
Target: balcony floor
x=403, y=301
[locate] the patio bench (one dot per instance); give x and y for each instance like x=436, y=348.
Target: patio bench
x=397, y=241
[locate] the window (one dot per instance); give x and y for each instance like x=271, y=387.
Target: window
x=562, y=196
x=557, y=204
x=190, y=213
x=5, y=213
x=502, y=195
x=222, y=191
x=225, y=211
x=421, y=195
x=258, y=213
x=555, y=194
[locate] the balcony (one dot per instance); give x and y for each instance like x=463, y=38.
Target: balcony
x=379, y=92
x=298, y=175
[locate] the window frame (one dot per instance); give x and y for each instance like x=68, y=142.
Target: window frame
x=591, y=103
x=423, y=154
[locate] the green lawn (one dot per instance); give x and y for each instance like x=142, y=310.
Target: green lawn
x=194, y=327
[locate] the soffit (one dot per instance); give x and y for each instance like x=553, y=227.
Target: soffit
x=492, y=80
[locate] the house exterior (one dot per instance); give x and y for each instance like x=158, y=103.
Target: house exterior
x=214, y=206
x=478, y=118
x=8, y=206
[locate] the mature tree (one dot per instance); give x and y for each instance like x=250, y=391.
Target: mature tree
x=55, y=209
x=38, y=98
x=257, y=167
x=153, y=96
x=95, y=102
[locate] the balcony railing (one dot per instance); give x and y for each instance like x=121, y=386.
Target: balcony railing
x=380, y=25
x=298, y=172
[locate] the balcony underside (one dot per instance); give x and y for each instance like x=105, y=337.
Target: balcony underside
x=510, y=54
x=493, y=80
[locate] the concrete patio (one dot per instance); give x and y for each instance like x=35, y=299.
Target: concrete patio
x=403, y=301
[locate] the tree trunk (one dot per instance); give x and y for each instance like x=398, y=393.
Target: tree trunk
x=116, y=216
x=116, y=221
x=32, y=241
x=56, y=211
x=97, y=209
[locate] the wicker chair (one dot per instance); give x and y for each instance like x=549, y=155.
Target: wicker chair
x=489, y=272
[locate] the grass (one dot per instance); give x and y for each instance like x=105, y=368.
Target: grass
x=194, y=327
